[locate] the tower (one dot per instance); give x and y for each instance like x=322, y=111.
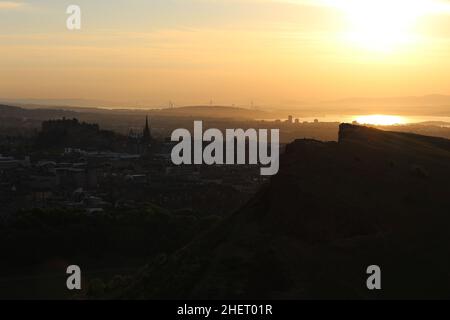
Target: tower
x=146, y=134
x=146, y=142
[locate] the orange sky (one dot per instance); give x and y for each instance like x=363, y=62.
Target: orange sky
x=231, y=51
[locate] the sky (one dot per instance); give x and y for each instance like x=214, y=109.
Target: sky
x=271, y=52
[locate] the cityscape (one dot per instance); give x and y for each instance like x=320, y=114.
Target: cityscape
x=224, y=158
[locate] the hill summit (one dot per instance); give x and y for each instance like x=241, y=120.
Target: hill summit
x=335, y=208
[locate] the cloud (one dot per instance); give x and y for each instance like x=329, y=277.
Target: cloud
x=9, y=5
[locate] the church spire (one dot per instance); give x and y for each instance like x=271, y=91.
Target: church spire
x=146, y=135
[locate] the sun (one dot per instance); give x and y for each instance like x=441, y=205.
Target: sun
x=380, y=119
x=384, y=25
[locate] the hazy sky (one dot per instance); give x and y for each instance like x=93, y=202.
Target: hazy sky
x=273, y=52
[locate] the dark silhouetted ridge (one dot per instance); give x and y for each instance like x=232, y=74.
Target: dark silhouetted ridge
x=374, y=197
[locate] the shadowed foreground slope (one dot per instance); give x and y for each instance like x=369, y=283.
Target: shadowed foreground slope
x=374, y=197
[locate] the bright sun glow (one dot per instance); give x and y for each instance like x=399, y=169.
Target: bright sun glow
x=379, y=119
x=384, y=25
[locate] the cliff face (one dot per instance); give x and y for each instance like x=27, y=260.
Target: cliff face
x=374, y=197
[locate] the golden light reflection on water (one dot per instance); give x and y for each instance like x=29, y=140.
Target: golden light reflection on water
x=381, y=120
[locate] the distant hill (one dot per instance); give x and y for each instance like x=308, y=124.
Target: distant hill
x=213, y=112
x=40, y=112
x=427, y=100
x=374, y=197
x=7, y=111
x=86, y=103
x=435, y=123
x=428, y=105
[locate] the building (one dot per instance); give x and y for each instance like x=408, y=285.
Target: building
x=290, y=119
x=140, y=143
x=12, y=163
